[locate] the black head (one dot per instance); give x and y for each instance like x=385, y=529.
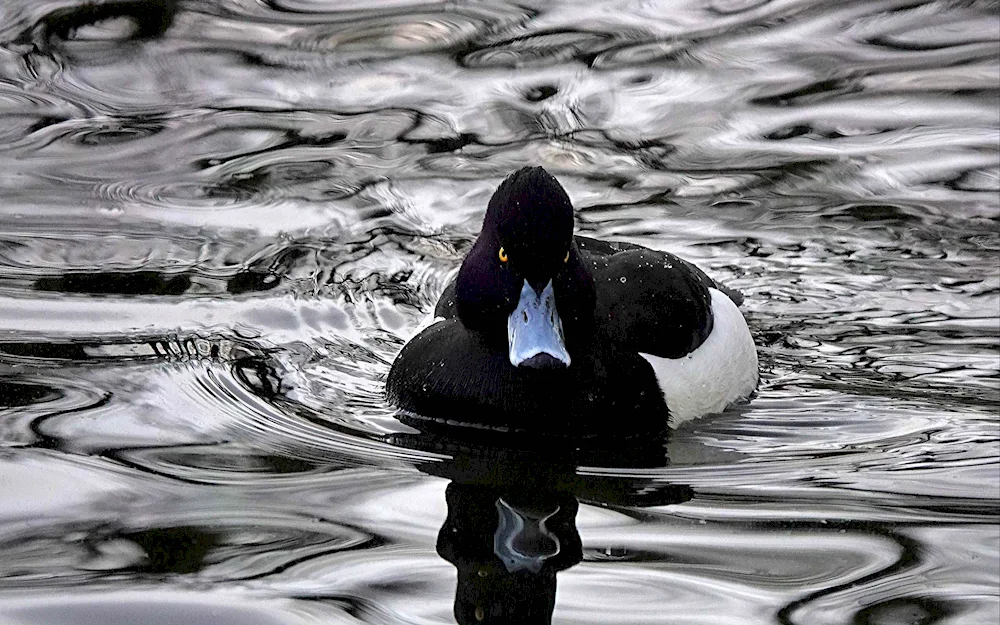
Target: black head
x=527, y=239
x=533, y=221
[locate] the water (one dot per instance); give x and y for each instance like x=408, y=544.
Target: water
x=219, y=222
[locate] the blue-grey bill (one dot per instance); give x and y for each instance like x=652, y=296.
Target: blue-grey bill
x=535, y=327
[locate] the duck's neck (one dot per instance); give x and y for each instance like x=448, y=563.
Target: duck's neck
x=576, y=300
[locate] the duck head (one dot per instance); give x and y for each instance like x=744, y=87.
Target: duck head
x=523, y=285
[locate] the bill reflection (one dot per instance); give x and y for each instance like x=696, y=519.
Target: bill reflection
x=511, y=523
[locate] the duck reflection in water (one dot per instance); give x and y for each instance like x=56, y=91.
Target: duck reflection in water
x=511, y=524
x=508, y=547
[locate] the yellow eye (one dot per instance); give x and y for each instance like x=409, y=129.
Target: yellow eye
x=566, y=260
x=503, y=256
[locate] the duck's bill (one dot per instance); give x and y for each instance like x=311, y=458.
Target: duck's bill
x=535, y=332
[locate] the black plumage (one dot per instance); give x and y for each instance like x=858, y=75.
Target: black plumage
x=614, y=300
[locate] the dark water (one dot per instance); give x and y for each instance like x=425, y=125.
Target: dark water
x=219, y=222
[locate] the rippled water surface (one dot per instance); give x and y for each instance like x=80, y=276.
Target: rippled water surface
x=221, y=219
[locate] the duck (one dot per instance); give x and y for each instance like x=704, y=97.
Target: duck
x=550, y=332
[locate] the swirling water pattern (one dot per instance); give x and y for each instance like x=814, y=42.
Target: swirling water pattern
x=219, y=221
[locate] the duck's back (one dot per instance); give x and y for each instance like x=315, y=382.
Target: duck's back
x=685, y=325
x=649, y=301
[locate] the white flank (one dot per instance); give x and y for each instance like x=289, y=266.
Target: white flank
x=722, y=370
